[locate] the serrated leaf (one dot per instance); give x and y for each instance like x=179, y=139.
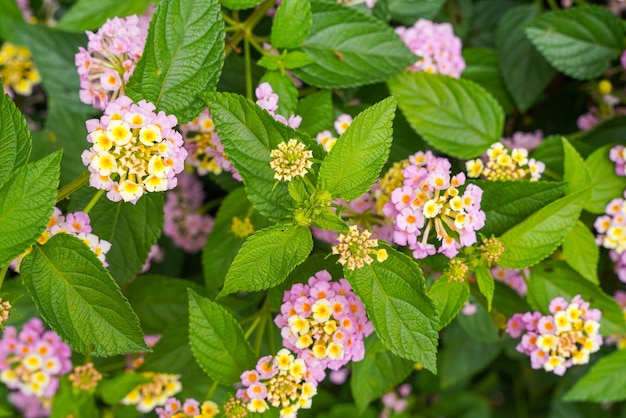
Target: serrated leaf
x=316, y=111
x=507, y=203
x=15, y=141
x=481, y=67
x=605, y=183
x=525, y=71
x=580, y=42
x=240, y=4
x=409, y=11
x=217, y=341
x=581, y=252
x=404, y=317
x=26, y=202
x=456, y=116
x=267, y=257
x=330, y=221
x=285, y=88
x=605, y=382
x=178, y=65
x=354, y=163
x=113, y=390
x=449, y=297
x=90, y=15
x=574, y=170
x=537, y=237
x=555, y=278
x=248, y=134
x=378, y=372
x=350, y=48
x=291, y=60
x=79, y=299
x=292, y=24
x=486, y=284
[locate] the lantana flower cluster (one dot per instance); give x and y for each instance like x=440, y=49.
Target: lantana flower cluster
x=191, y=408
x=184, y=224
x=110, y=59
x=430, y=201
x=437, y=46
x=17, y=70
x=501, y=165
x=268, y=100
x=324, y=321
x=134, y=151
x=618, y=156
x=326, y=138
x=355, y=248
x=611, y=228
x=560, y=340
x=619, y=339
x=150, y=395
x=32, y=361
x=512, y=277
x=291, y=159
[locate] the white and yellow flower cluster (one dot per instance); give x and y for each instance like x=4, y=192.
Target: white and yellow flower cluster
x=502, y=165
x=290, y=160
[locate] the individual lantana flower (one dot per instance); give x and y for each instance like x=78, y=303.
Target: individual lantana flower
x=430, y=201
x=436, y=45
x=355, y=249
x=187, y=228
x=501, y=165
x=324, y=321
x=618, y=156
x=85, y=377
x=150, y=395
x=560, y=340
x=290, y=160
x=191, y=408
x=134, y=150
x=281, y=381
x=110, y=59
x=17, y=70
x=611, y=229
x=32, y=361
x=268, y=100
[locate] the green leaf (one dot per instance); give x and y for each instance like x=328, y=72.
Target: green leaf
x=79, y=299
x=409, y=11
x=316, y=111
x=267, y=257
x=482, y=68
x=507, y=203
x=486, y=283
x=525, y=71
x=291, y=60
x=117, y=221
x=507, y=301
x=90, y=15
x=581, y=41
x=537, y=237
x=240, y=4
x=330, y=221
x=574, y=169
x=378, y=372
x=581, y=252
x=113, y=390
x=456, y=116
x=449, y=297
x=605, y=183
x=248, y=134
x=555, y=278
x=354, y=163
x=404, y=317
x=350, y=48
x=26, y=202
x=292, y=24
x=15, y=141
x=11, y=10
x=480, y=326
x=178, y=65
x=68, y=402
x=285, y=88
x=605, y=382
x=217, y=341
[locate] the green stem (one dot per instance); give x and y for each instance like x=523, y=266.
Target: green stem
x=93, y=201
x=249, y=24
x=253, y=326
x=3, y=273
x=74, y=185
x=211, y=391
x=246, y=53
x=258, y=339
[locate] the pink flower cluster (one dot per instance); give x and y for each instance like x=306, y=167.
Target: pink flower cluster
x=134, y=150
x=268, y=100
x=527, y=140
x=511, y=277
x=110, y=59
x=395, y=401
x=191, y=408
x=560, y=340
x=437, y=46
x=611, y=228
x=618, y=156
x=324, y=322
x=430, y=200
x=187, y=228
x=32, y=361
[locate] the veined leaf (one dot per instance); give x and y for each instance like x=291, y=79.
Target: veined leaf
x=574, y=170
x=449, y=297
x=79, y=299
x=482, y=68
x=409, y=11
x=605, y=183
x=316, y=111
x=581, y=252
x=605, y=382
x=240, y=4
x=486, y=284
x=456, y=116
x=292, y=23
x=15, y=141
x=90, y=15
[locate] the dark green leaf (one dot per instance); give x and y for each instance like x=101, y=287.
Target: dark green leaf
x=485, y=283
x=581, y=252
x=482, y=68
x=605, y=183
x=605, y=382
x=15, y=141
x=90, y=15
x=480, y=326
x=449, y=297
x=409, y=11
x=292, y=24
x=316, y=111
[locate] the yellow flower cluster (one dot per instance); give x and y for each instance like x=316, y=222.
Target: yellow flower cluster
x=155, y=393
x=17, y=69
x=502, y=165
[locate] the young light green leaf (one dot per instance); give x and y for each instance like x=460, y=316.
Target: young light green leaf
x=540, y=234
x=581, y=41
x=486, y=284
x=267, y=257
x=286, y=89
x=378, y=372
x=292, y=24
x=217, y=341
x=113, y=390
x=525, y=71
x=350, y=48
x=404, y=317
x=15, y=141
x=605, y=183
x=240, y=4
x=581, y=252
x=354, y=163
x=482, y=68
x=449, y=297
x=288, y=61
x=26, y=202
x=316, y=111
x=574, y=170
x=456, y=116
x=178, y=65
x=605, y=382
x=90, y=15
x=79, y=299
